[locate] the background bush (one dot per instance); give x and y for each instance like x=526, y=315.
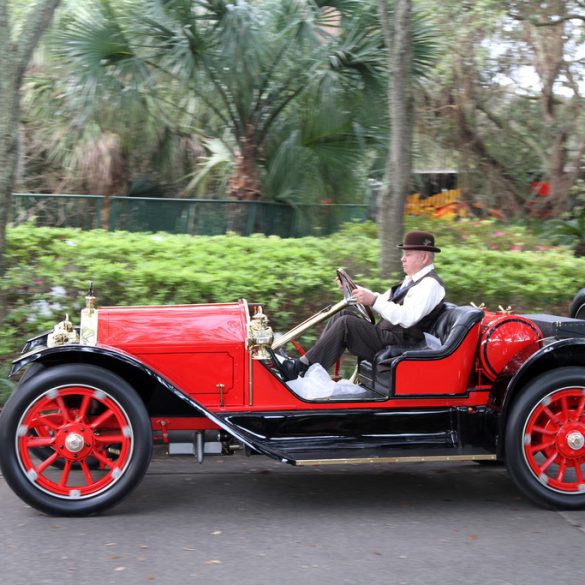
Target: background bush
x=49, y=271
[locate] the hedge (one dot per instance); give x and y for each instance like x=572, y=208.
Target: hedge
x=49, y=270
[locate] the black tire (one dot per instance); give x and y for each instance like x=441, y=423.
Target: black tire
x=577, y=309
x=31, y=371
x=76, y=435
x=545, y=439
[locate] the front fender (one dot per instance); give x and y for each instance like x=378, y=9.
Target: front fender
x=129, y=367
x=527, y=365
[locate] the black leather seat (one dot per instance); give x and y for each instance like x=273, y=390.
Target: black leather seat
x=451, y=327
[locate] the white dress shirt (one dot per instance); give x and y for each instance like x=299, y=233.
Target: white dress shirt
x=419, y=301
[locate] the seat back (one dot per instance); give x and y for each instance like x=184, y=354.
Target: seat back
x=444, y=370
x=453, y=324
x=402, y=370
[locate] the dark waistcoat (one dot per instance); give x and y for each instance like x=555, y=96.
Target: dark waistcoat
x=414, y=333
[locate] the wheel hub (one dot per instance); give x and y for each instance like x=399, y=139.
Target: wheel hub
x=570, y=441
x=575, y=440
x=74, y=442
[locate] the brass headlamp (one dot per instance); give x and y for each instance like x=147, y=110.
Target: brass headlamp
x=63, y=333
x=260, y=335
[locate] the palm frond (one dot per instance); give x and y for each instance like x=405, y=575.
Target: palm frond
x=218, y=163
x=95, y=42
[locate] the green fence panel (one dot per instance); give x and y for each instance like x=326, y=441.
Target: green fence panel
x=184, y=216
x=82, y=211
x=201, y=216
x=326, y=219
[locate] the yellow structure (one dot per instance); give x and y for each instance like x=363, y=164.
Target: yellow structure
x=443, y=205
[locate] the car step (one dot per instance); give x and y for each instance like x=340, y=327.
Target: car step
x=366, y=456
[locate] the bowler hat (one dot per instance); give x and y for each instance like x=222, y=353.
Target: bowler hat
x=417, y=240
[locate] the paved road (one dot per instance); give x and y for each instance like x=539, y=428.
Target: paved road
x=254, y=521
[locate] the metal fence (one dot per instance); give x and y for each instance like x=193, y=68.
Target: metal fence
x=81, y=211
x=183, y=216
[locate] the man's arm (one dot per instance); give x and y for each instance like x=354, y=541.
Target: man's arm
x=419, y=301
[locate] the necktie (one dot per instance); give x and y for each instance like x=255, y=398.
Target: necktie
x=403, y=286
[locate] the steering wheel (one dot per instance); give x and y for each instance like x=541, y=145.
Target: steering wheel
x=348, y=286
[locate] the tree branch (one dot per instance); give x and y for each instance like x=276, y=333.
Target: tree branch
x=577, y=160
x=543, y=23
x=264, y=130
x=4, y=26
x=268, y=76
x=36, y=23
x=472, y=141
x=521, y=135
x=558, y=20
x=237, y=123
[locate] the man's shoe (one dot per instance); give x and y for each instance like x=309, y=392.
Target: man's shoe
x=292, y=369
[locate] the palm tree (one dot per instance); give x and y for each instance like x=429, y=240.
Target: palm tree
x=249, y=66
x=86, y=131
x=292, y=89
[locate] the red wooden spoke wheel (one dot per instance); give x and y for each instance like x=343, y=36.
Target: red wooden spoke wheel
x=554, y=440
x=60, y=420
x=74, y=440
x=545, y=438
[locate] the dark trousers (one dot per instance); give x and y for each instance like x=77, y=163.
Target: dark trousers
x=346, y=331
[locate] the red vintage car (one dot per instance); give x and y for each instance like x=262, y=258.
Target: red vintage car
x=76, y=436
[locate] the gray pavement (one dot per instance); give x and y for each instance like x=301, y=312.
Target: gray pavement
x=254, y=521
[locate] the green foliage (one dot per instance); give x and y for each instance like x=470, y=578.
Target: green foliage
x=49, y=270
x=496, y=264
x=570, y=231
x=196, y=84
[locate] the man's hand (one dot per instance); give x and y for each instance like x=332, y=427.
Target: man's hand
x=364, y=296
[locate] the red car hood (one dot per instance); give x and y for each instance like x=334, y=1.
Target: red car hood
x=135, y=329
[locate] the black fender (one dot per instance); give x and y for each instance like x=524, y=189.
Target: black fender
x=536, y=359
x=133, y=370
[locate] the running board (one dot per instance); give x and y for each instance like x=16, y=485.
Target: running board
x=403, y=459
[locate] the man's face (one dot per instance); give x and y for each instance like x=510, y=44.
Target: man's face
x=413, y=261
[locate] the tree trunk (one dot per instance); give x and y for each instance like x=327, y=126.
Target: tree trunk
x=398, y=40
x=244, y=184
x=548, y=35
x=15, y=54
x=9, y=115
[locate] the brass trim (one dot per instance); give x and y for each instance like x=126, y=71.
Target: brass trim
x=250, y=379
x=406, y=459
x=310, y=322
x=221, y=388
x=249, y=350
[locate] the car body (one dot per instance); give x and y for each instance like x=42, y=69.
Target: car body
x=76, y=435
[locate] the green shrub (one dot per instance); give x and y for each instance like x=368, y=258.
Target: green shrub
x=49, y=270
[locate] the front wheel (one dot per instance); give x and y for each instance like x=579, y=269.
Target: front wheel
x=545, y=439
x=58, y=424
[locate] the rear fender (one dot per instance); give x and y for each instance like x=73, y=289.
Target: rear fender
x=527, y=365
x=141, y=377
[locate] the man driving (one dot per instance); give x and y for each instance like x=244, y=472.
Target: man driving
x=406, y=310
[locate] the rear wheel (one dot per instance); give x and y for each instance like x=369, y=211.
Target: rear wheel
x=577, y=309
x=58, y=424
x=545, y=439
